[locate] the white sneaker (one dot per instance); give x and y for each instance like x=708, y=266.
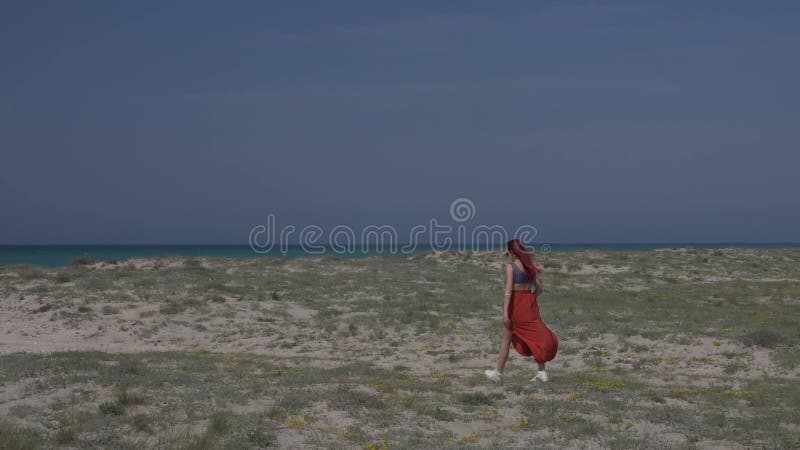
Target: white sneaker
x=494, y=375
x=541, y=376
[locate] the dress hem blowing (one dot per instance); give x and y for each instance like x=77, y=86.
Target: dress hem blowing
x=529, y=335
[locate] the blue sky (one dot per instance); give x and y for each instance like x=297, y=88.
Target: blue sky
x=189, y=122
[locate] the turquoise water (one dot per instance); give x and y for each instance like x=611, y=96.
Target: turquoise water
x=60, y=255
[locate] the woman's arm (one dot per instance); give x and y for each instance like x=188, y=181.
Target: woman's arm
x=537, y=286
x=507, y=296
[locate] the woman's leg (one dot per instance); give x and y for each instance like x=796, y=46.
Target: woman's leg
x=541, y=375
x=504, y=346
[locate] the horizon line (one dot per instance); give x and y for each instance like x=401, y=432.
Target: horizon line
x=455, y=244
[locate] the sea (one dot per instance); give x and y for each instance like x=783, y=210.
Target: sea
x=62, y=255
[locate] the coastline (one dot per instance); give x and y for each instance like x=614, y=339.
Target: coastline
x=61, y=255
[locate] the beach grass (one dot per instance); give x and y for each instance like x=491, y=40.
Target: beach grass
x=674, y=348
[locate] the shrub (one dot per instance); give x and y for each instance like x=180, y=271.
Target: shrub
x=262, y=438
x=762, y=337
x=28, y=272
x=219, y=423
x=478, y=398
x=67, y=430
x=787, y=358
x=44, y=308
x=12, y=436
x=111, y=409
x=172, y=307
x=108, y=310
x=142, y=422
x=62, y=278
x=81, y=261
x=126, y=398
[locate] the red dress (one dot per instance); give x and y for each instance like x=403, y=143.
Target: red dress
x=530, y=336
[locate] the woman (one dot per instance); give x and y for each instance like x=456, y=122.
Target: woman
x=523, y=325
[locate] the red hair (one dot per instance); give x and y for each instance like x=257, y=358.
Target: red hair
x=518, y=249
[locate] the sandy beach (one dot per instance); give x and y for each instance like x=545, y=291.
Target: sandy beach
x=674, y=348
